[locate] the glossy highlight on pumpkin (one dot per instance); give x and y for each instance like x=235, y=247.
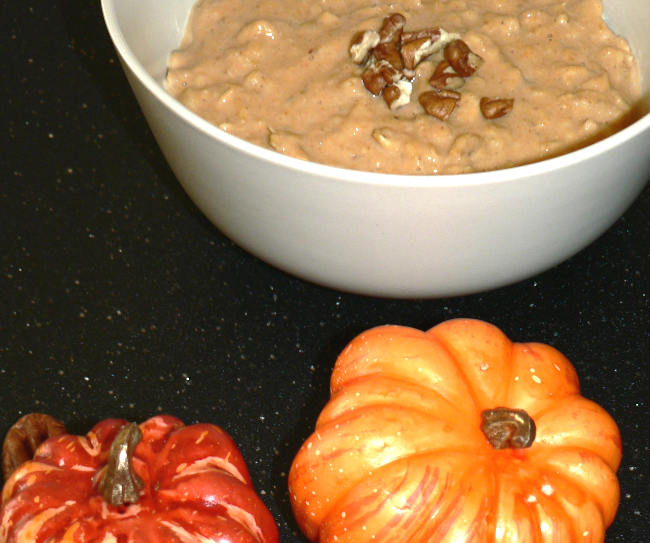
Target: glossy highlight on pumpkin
x=398, y=454
x=196, y=488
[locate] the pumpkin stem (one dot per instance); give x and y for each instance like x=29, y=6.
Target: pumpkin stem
x=507, y=428
x=120, y=485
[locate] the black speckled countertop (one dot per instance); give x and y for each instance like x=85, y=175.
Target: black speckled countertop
x=118, y=298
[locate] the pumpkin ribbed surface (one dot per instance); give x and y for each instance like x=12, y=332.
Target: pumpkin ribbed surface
x=398, y=454
x=196, y=488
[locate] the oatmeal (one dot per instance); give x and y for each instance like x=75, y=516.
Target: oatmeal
x=546, y=77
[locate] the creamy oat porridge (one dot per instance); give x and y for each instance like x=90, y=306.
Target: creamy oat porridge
x=549, y=77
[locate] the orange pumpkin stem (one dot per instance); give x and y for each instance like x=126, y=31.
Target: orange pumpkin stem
x=507, y=428
x=120, y=485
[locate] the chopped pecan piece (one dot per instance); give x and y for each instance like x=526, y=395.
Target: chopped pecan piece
x=391, y=28
x=439, y=104
x=398, y=94
x=362, y=44
x=432, y=33
x=449, y=93
x=461, y=58
x=415, y=50
x=390, y=54
x=379, y=75
x=24, y=437
x=420, y=44
x=493, y=108
x=445, y=77
x=390, y=35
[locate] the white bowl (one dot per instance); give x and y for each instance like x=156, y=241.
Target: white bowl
x=377, y=234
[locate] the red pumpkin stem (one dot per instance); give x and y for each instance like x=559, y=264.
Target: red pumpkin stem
x=507, y=428
x=120, y=485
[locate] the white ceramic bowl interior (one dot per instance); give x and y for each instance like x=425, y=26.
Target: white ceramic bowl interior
x=376, y=234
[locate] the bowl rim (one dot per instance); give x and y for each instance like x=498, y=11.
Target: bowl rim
x=530, y=170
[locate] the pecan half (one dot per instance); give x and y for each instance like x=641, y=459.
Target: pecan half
x=493, y=108
x=24, y=437
x=439, y=104
x=461, y=58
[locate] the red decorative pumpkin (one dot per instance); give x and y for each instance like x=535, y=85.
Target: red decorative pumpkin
x=456, y=435
x=157, y=482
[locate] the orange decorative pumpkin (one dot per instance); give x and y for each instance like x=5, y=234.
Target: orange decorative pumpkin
x=157, y=482
x=456, y=435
